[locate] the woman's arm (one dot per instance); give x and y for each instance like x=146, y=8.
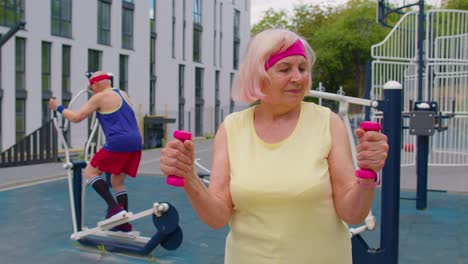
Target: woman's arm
x=213, y=205
x=353, y=201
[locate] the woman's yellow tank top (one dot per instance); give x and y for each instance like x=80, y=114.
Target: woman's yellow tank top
x=283, y=203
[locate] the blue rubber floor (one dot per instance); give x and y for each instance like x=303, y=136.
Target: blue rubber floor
x=436, y=235
x=35, y=226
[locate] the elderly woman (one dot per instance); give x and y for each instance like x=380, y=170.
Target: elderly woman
x=282, y=173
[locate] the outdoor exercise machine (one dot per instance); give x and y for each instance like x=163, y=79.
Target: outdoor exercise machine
x=387, y=252
x=164, y=215
x=425, y=120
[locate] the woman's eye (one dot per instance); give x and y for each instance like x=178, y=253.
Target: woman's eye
x=284, y=70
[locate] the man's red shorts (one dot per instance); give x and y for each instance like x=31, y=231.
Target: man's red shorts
x=117, y=162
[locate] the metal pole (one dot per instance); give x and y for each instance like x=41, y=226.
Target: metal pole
x=422, y=142
x=387, y=253
x=368, y=86
x=390, y=204
x=78, y=166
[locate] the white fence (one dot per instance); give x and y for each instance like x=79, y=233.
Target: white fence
x=445, y=79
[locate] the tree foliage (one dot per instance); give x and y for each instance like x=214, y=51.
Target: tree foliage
x=457, y=4
x=272, y=19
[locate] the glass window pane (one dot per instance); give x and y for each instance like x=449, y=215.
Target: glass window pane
x=66, y=29
x=66, y=9
x=20, y=116
x=55, y=8
x=45, y=83
x=55, y=27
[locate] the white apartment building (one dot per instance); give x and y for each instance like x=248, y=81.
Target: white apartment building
x=175, y=58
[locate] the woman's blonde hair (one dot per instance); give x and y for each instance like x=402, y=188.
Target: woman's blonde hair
x=252, y=76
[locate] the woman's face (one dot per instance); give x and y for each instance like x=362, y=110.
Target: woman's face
x=289, y=81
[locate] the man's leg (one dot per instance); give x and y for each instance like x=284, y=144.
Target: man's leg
x=93, y=176
x=118, y=184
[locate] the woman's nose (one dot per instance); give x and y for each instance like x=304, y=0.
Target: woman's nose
x=296, y=74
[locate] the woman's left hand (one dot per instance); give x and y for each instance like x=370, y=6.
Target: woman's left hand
x=372, y=149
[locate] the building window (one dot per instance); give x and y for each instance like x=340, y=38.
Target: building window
x=181, y=97
x=61, y=18
x=20, y=67
x=66, y=94
x=20, y=86
x=197, y=11
x=123, y=73
x=220, y=34
x=94, y=64
x=184, y=28
x=152, y=102
x=231, y=102
x=45, y=111
x=152, y=16
x=46, y=47
x=236, y=45
x=215, y=19
x=20, y=119
x=127, y=25
x=152, y=99
x=94, y=60
x=199, y=102
x=104, y=22
x=11, y=12
x=173, y=27
x=217, y=101
x=152, y=56
x=197, y=35
x=46, y=93
x=152, y=91
x=66, y=63
x=197, y=30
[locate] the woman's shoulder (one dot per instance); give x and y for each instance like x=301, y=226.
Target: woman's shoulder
x=239, y=115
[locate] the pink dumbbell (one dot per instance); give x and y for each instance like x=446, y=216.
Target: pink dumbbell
x=175, y=180
x=362, y=172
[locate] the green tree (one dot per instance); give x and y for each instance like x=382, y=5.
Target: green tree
x=343, y=45
x=272, y=19
x=457, y=4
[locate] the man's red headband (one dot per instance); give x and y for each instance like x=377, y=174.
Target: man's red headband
x=98, y=78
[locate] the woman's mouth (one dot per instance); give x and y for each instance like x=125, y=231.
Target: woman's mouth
x=295, y=91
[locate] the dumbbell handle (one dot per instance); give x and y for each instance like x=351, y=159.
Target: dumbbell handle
x=175, y=180
x=364, y=173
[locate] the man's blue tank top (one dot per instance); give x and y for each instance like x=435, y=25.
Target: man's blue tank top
x=120, y=128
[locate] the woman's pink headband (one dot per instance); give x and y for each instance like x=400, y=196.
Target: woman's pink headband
x=297, y=48
x=98, y=78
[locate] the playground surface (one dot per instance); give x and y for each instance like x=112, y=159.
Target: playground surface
x=36, y=220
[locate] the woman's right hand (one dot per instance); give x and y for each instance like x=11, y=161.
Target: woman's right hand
x=177, y=158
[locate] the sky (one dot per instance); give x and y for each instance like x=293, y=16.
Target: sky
x=260, y=6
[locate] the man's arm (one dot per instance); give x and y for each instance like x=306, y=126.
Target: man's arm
x=77, y=116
